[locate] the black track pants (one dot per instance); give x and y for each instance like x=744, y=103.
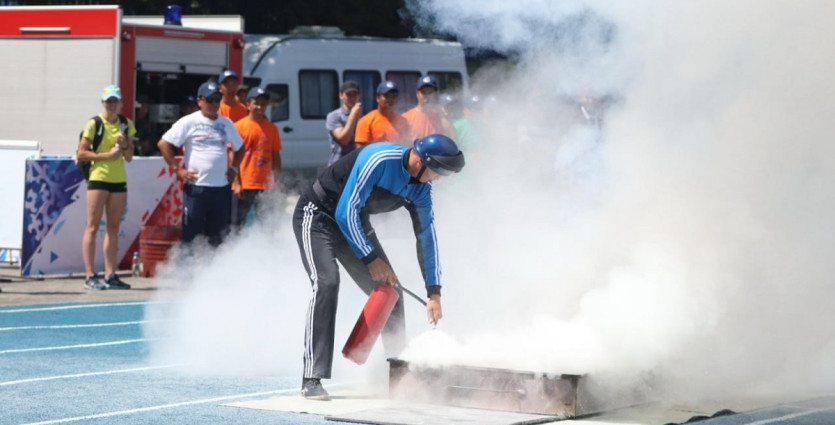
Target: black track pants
x=321, y=244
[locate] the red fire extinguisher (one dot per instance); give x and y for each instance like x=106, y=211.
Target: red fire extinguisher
x=370, y=323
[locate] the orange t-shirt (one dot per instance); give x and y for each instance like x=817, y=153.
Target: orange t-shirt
x=423, y=123
x=261, y=141
x=376, y=127
x=235, y=112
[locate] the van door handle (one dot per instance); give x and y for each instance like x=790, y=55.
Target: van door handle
x=288, y=129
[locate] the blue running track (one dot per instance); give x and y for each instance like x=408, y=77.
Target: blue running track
x=88, y=364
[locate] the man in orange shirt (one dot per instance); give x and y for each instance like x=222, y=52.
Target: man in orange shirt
x=428, y=116
x=383, y=124
x=261, y=155
x=229, y=106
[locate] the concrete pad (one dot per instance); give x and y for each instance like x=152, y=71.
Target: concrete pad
x=19, y=291
x=369, y=410
x=336, y=406
x=416, y=414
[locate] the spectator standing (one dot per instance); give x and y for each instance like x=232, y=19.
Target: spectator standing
x=146, y=135
x=242, y=93
x=342, y=122
x=188, y=105
x=204, y=136
x=107, y=187
x=261, y=155
x=331, y=223
x=428, y=117
x=383, y=124
x=229, y=106
x=476, y=111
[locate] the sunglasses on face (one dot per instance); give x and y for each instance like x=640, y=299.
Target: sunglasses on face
x=213, y=99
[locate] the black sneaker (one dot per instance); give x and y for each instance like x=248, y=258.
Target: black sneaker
x=113, y=282
x=312, y=389
x=92, y=282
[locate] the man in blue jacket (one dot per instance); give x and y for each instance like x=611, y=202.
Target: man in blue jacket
x=331, y=223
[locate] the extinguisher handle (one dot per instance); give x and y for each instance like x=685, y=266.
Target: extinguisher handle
x=412, y=294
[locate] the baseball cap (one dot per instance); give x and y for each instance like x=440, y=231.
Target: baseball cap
x=427, y=80
x=188, y=100
x=226, y=74
x=207, y=89
x=256, y=92
x=349, y=85
x=387, y=86
x=111, y=91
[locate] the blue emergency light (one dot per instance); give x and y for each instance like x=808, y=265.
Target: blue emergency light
x=173, y=15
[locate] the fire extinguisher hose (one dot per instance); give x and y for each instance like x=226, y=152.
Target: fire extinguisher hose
x=412, y=294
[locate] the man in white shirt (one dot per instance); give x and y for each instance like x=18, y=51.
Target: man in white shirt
x=204, y=135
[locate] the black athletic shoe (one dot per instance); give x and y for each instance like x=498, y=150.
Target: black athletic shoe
x=93, y=283
x=113, y=282
x=312, y=389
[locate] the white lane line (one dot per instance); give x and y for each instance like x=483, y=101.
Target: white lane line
x=70, y=307
x=66, y=347
x=84, y=375
x=791, y=416
x=89, y=325
x=160, y=407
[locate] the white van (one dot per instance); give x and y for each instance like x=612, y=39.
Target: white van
x=303, y=73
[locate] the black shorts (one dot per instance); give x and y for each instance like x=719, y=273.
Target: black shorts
x=110, y=187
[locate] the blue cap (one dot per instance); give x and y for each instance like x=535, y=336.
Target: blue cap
x=188, y=100
x=387, y=86
x=207, y=89
x=111, y=91
x=427, y=80
x=255, y=92
x=226, y=74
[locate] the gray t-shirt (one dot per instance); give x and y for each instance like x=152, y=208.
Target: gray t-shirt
x=338, y=118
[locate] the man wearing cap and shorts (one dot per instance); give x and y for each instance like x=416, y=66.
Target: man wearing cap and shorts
x=107, y=187
x=228, y=82
x=428, y=117
x=383, y=124
x=204, y=135
x=261, y=157
x=332, y=223
x=342, y=122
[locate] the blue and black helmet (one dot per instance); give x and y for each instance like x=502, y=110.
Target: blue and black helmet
x=440, y=154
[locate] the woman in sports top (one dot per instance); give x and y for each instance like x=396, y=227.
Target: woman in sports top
x=107, y=185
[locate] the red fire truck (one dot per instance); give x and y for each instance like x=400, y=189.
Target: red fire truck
x=57, y=59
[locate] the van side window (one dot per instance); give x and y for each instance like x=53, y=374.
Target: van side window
x=318, y=92
x=406, y=81
x=448, y=82
x=279, y=106
x=368, y=81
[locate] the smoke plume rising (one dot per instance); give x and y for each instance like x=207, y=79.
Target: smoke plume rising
x=687, y=234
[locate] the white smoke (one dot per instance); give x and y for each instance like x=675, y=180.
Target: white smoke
x=688, y=236
x=692, y=240
x=240, y=309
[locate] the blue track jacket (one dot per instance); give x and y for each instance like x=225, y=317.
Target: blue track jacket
x=374, y=180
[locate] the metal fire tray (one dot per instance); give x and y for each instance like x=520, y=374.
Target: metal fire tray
x=485, y=388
